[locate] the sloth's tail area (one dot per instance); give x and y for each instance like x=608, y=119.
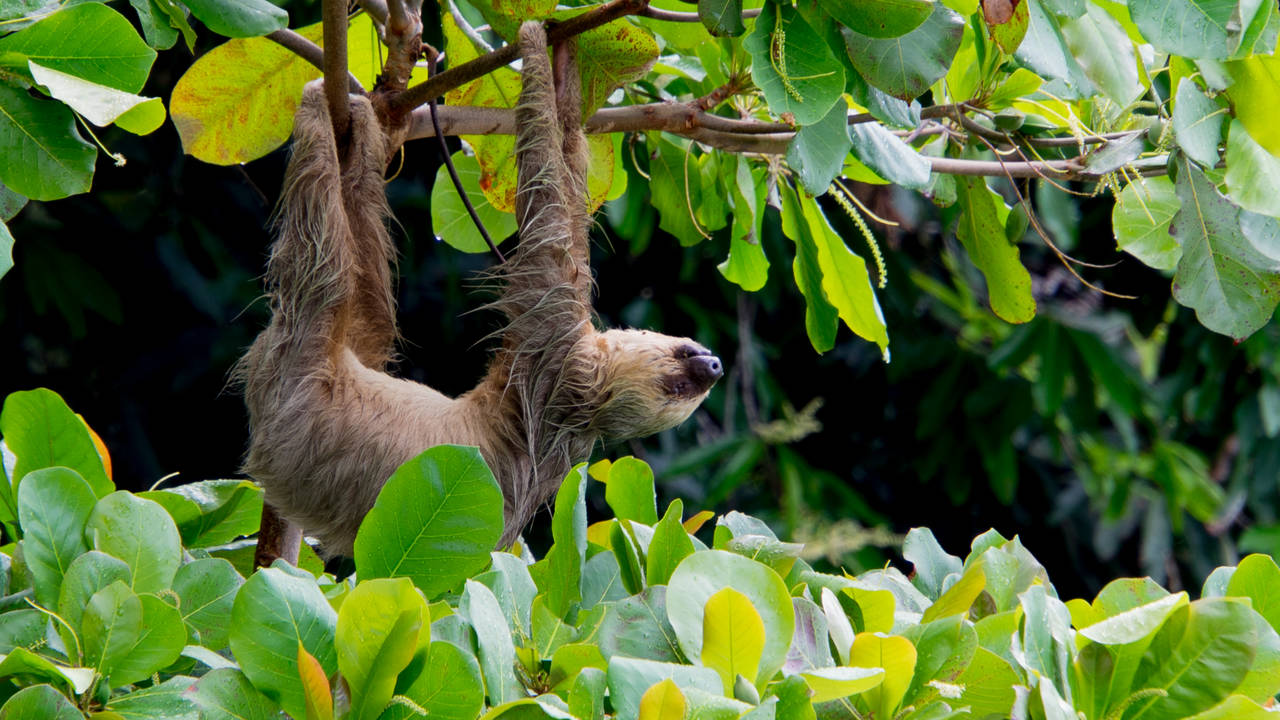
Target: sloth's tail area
x=329, y=275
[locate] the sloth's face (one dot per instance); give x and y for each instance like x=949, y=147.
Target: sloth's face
x=648, y=381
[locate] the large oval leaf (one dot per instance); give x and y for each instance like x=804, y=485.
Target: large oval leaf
x=906, y=66
x=792, y=65
x=226, y=694
x=42, y=432
x=702, y=575
x=1140, y=221
x=879, y=18
x=91, y=41
x=378, y=631
x=1191, y=28
x=206, y=590
x=53, y=506
x=272, y=614
x=435, y=521
x=39, y=701
x=239, y=18
x=140, y=533
x=448, y=687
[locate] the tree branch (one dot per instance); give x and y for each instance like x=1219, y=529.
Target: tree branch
x=734, y=136
x=311, y=52
x=689, y=17
x=335, y=65
x=462, y=74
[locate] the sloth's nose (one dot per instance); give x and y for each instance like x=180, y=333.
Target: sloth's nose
x=704, y=369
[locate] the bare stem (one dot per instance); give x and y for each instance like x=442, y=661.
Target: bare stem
x=462, y=74
x=335, y=65
x=310, y=52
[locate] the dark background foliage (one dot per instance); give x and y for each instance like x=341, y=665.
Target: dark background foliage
x=1111, y=434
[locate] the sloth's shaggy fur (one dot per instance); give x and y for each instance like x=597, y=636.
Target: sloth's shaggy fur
x=329, y=425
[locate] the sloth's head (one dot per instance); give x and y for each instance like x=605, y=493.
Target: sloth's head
x=645, y=381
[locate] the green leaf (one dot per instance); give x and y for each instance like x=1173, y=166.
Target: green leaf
x=206, y=591
x=1230, y=267
x=1046, y=636
x=111, y=626
x=569, y=547
x=629, y=678
x=6, y=251
x=1198, y=657
x=638, y=627
x=165, y=701
x=53, y=507
x=1106, y=54
x=514, y=588
x=629, y=491
x=158, y=29
x=212, y=512
x=670, y=545
x=435, y=521
x=981, y=231
x=377, y=633
x=1235, y=707
x=569, y=660
x=449, y=217
x=891, y=158
x=879, y=18
x=1044, y=51
x=1141, y=219
x=274, y=612
x=944, y=649
x=819, y=150
x=845, y=281
x=1136, y=623
x=792, y=65
x=42, y=432
x=239, y=18
x=586, y=699
x=906, y=66
x=87, y=574
x=676, y=191
x=1191, y=28
x=732, y=637
x=811, y=644
x=39, y=701
x=448, y=687
x=90, y=41
x=139, y=532
x=1254, y=93
x=747, y=266
x=158, y=645
x=722, y=17
x=1252, y=173
x=988, y=684
x=1258, y=578
x=820, y=316
x=99, y=104
x=960, y=596
x=23, y=628
x=897, y=656
x=703, y=574
x=931, y=563
x=226, y=694
x=1197, y=124
x=497, y=654
x=24, y=663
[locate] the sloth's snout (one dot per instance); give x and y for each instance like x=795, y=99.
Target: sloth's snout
x=702, y=367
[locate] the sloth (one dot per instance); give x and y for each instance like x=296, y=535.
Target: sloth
x=329, y=424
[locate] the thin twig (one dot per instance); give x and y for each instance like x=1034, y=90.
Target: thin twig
x=311, y=52
x=689, y=17
x=335, y=65
x=377, y=10
x=453, y=172
x=461, y=75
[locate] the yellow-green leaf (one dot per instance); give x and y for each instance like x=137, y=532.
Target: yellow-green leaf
x=845, y=280
x=732, y=637
x=1255, y=94
x=663, y=701
x=959, y=597
x=834, y=683
x=100, y=104
x=981, y=231
x=898, y=658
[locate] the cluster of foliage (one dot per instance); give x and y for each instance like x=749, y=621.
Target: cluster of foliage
x=121, y=605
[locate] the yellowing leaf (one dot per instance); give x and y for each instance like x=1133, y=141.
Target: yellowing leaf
x=834, y=683
x=732, y=637
x=663, y=701
x=315, y=686
x=98, y=445
x=897, y=656
x=694, y=524
x=959, y=597
x=599, y=532
x=1255, y=92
